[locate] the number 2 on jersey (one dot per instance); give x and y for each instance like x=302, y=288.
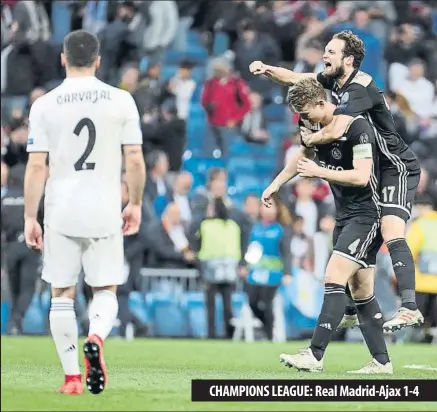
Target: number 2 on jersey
x=81, y=163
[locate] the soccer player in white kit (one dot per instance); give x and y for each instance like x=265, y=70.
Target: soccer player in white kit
x=84, y=128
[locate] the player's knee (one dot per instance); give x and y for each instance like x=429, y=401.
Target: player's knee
x=362, y=284
x=64, y=292
x=392, y=227
x=112, y=289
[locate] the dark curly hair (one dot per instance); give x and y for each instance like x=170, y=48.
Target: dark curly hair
x=353, y=46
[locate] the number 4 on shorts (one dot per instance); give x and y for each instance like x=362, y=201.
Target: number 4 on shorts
x=353, y=246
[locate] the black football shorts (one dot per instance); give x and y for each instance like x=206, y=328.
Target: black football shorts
x=358, y=239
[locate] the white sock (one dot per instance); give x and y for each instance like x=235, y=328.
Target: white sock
x=102, y=313
x=65, y=334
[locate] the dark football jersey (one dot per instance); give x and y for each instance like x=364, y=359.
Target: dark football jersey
x=361, y=96
x=350, y=201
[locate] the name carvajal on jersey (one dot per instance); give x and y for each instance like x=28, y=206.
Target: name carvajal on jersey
x=92, y=96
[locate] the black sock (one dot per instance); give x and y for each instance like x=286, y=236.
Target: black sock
x=330, y=316
x=403, y=266
x=370, y=317
x=350, y=304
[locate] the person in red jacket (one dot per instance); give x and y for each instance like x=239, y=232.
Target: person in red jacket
x=225, y=98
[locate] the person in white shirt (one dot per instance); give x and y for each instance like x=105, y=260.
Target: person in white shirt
x=182, y=86
x=418, y=90
x=80, y=128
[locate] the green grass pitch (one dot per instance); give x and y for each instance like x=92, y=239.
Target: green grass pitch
x=153, y=375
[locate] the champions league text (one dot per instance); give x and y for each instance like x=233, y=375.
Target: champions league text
x=313, y=390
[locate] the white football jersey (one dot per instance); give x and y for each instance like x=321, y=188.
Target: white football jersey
x=82, y=125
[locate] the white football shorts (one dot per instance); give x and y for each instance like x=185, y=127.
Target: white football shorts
x=102, y=260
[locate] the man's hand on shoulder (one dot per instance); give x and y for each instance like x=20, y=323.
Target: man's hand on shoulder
x=308, y=168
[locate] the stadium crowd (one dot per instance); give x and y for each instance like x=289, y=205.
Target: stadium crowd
x=213, y=134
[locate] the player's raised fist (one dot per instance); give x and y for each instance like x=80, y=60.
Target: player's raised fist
x=33, y=234
x=267, y=196
x=257, y=67
x=131, y=219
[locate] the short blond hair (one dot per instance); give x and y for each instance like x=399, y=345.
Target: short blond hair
x=307, y=91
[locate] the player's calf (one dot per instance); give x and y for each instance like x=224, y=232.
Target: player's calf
x=338, y=271
x=64, y=331
x=102, y=315
x=393, y=232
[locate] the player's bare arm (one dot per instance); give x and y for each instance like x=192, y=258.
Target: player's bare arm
x=287, y=173
x=278, y=74
x=34, y=182
x=135, y=173
x=136, y=180
x=358, y=176
x=333, y=131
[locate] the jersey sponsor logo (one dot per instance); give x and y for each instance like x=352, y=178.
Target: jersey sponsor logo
x=364, y=138
x=336, y=153
x=330, y=167
x=345, y=98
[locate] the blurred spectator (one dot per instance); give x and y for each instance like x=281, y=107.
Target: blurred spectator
x=398, y=117
x=182, y=86
x=251, y=208
x=158, y=189
x=322, y=245
x=35, y=94
x=32, y=38
x=254, y=124
x=216, y=187
x=300, y=243
x=130, y=75
x=181, y=189
x=187, y=10
x=418, y=91
x=162, y=28
x=250, y=46
x=269, y=261
x=404, y=45
x=4, y=179
x=16, y=149
x=150, y=92
x=310, y=58
x=376, y=17
x=226, y=16
x=226, y=101
x=134, y=248
x=305, y=206
x=9, y=27
x=4, y=141
x=169, y=246
x=119, y=41
x=427, y=186
x=21, y=262
x=422, y=239
x=219, y=242
x=166, y=133
x=95, y=16
x=287, y=28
